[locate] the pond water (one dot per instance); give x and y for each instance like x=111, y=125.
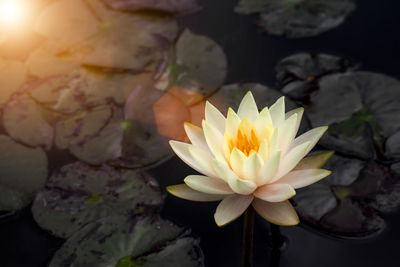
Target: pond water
x=134, y=92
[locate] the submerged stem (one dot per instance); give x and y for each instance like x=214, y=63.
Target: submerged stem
x=276, y=244
x=248, y=237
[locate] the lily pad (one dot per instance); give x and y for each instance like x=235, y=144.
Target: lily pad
x=24, y=121
x=173, y=6
x=350, y=202
x=12, y=76
x=362, y=109
x=104, y=146
x=297, y=18
x=201, y=64
x=123, y=241
x=78, y=194
x=298, y=74
x=23, y=171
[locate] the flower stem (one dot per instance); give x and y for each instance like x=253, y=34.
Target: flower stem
x=248, y=237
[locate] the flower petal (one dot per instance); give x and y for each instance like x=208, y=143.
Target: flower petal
x=214, y=139
x=279, y=213
x=182, y=151
x=275, y=192
x=263, y=119
x=238, y=185
x=185, y=192
x=237, y=161
x=299, y=112
x=290, y=160
x=311, y=136
x=273, y=147
x=287, y=132
x=196, y=136
x=252, y=166
x=204, y=159
x=314, y=161
x=302, y=178
x=215, y=118
x=231, y=208
x=232, y=122
x=277, y=112
x=263, y=150
x=208, y=185
x=269, y=169
x=248, y=108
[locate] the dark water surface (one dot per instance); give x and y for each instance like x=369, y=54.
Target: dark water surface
x=369, y=36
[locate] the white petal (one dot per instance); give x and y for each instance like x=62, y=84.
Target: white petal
x=214, y=139
x=279, y=213
x=299, y=112
x=290, y=160
x=273, y=147
x=196, y=136
x=232, y=122
x=269, y=169
x=237, y=161
x=208, y=185
x=302, y=178
x=287, y=132
x=238, y=185
x=231, y=208
x=263, y=119
x=252, y=166
x=248, y=108
x=311, y=136
x=204, y=159
x=275, y=192
x=185, y=192
x=182, y=151
x=263, y=150
x=277, y=112
x=215, y=118
x=314, y=161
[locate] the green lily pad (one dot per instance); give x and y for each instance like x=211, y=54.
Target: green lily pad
x=12, y=76
x=173, y=6
x=298, y=74
x=23, y=171
x=297, y=18
x=25, y=122
x=361, y=108
x=201, y=64
x=78, y=194
x=351, y=201
x=123, y=241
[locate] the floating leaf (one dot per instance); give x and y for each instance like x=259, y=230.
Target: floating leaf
x=23, y=170
x=173, y=6
x=78, y=194
x=122, y=241
x=297, y=18
x=298, y=74
x=12, y=76
x=24, y=121
x=201, y=63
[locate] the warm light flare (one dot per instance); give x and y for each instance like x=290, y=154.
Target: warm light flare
x=11, y=12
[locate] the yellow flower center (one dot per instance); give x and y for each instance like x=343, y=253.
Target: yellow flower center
x=248, y=140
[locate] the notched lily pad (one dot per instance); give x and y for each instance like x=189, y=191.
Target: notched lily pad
x=78, y=194
x=297, y=18
x=122, y=241
x=173, y=6
x=23, y=170
x=298, y=74
x=349, y=203
x=201, y=64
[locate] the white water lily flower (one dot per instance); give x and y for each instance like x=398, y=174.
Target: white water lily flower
x=250, y=158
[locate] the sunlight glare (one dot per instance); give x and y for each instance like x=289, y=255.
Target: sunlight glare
x=11, y=12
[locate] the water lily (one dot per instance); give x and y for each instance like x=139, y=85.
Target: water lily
x=250, y=158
